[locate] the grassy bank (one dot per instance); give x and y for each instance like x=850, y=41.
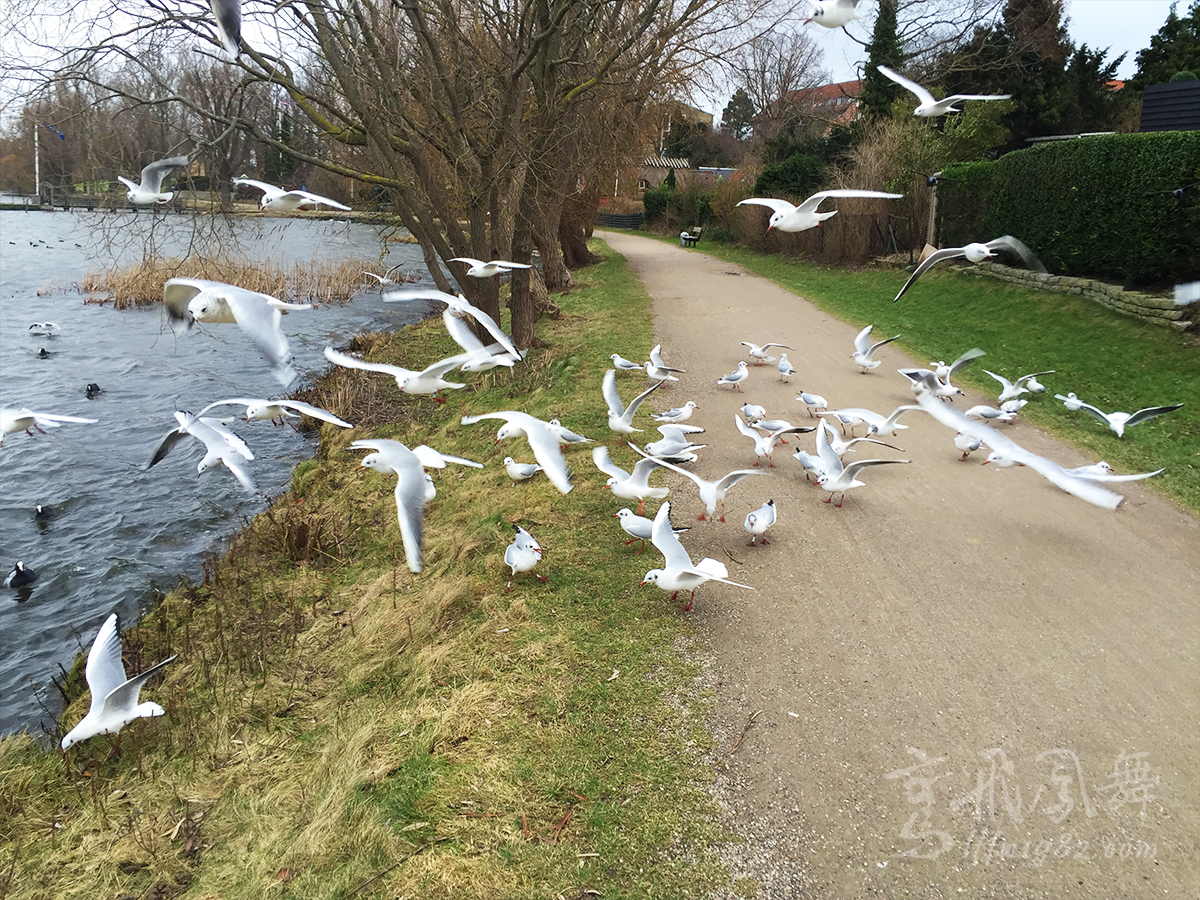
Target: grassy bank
x=337, y=727
x=1109, y=360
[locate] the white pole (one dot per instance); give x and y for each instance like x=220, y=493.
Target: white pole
x=37, y=168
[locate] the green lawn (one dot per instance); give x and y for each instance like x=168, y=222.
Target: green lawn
x=1112, y=361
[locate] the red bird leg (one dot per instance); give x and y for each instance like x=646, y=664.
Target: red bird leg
x=542, y=578
x=691, y=600
x=643, y=550
x=641, y=506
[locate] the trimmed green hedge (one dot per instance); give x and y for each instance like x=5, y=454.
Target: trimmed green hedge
x=1099, y=206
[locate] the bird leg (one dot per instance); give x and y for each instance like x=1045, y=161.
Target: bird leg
x=542, y=578
x=641, y=506
x=675, y=595
x=691, y=600
x=643, y=550
x=437, y=398
x=964, y=456
x=765, y=541
x=841, y=500
x=34, y=426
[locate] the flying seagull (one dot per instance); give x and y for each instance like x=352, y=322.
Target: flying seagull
x=787, y=217
x=477, y=268
x=1116, y=421
x=928, y=105
x=833, y=13
x=149, y=192
x=974, y=253
x=281, y=200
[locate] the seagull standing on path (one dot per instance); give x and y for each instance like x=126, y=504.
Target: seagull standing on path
x=974, y=253
x=678, y=414
x=280, y=200
x=837, y=478
x=149, y=192
x=930, y=106
x=759, y=521
x=786, y=369
x=736, y=377
x=657, y=370
x=787, y=217
x=764, y=445
x=114, y=698
x=1116, y=421
x=760, y=355
x=679, y=574
x=864, y=349
x=812, y=401
x=477, y=268
x=639, y=528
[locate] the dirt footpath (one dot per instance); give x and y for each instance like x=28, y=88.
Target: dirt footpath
x=972, y=684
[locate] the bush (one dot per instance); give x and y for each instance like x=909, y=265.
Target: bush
x=799, y=175
x=654, y=202
x=1100, y=206
x=963, y=194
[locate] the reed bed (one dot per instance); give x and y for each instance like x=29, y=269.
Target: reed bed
x=313, y=282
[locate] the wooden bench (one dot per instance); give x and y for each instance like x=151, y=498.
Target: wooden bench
x=689, y=238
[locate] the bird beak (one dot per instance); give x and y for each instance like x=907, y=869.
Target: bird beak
x=643, y=583
x=986, y=461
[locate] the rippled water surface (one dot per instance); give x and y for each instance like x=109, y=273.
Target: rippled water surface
x=120, y=533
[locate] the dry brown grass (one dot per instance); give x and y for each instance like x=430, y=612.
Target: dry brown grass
x=313, y=282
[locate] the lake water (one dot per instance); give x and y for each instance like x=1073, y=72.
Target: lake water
x=120, y=533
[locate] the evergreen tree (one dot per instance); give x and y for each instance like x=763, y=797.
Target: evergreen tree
x=1176, y=48
x=738, y=115
x=885, y=49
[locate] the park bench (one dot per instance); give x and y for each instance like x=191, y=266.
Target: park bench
x=689, y=238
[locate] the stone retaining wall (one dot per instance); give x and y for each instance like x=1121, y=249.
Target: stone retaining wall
x=1155, y=308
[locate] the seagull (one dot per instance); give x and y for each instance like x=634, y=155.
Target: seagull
x=114, y=697
x=428, y=381
x=678, y=414
x=28, y=421
x=968, y=444
x=620, y=417
x=280, y=200
x=711, y=492
x=876, y=424
x=928, y=105
x=753, y=412
x=812, y=464
x=1013, y=406
x=149, y=192
x=639, y=528
x=1102, y=471
x=625, y=365
x=945, y=390
x=522, y=555
x=847, y=418
x=1116, y=421
x=975, y=253
x=566, y=437
x=385, y=278
x=990, y=414
x=863, y=349
x=475, y=356
x=273, y=410
x=221, y=446
x=459, y=307
x=657, y=370
x=1005, y=448
x=1010, y=390
x=833, y=13
x=837, y=478
x=45, y=329
x=786, y=369
x=520, y=471
x=679, y=574
x=228, y=15
x=542, y=442
x=759, y=521
x=841, y=448
x=480, y=269
x=764, y=445
x=735, y=377
x=760, y=354
x=812, y=401
x=394, y=458
x=192, y=300
x=20, y=576
x=629, y=485
x=787, y=217
x=675, y=444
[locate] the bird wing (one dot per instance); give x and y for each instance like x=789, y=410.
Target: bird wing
x=351, y=362
x=439, y=368
x=410, y=505
x=133, y=186
x=745, y=429
x=729, y=480
x=315, y=411
x=923, y=95
x=637, y=401
x=862, y=341
x=44, y=418
x=875, y=346
x=316, y=198
x=1087, y=407
x=1103, y=477
x=928, y=263
x=858, y=465
x=666, y=465
x=166, y=445
x=611, y=396
x=656, y=358
x=1149, y=413
x=831, y=461
x=431, y=458
x=235, y=442
x=155, y=172
x=664, y=539
x=605, y=464
x=542, y=441
x=104, y=670
x=460, y=306
x=461, y=333
x=228, y=14
x=1020, y=382
x=973, y=353
x=956, y=97
x=811, y=204
x=469, y=260
x=1005, y=384
x=679, y=432
x=1080, y=487
x=1008, y=242
x=768, y=346
x=124, y=697
x=269, y=189
x=237, y=401
x=714, y=571
x=260, y=321
x=640, y=476
x=509, y=265
x=780, y=206
x=235, y=465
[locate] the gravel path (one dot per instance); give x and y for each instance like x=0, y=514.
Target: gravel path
x=971, y=684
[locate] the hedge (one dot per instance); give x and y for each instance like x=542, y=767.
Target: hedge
x=1100, y=206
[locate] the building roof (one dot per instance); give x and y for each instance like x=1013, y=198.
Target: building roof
x=667, y=162
x=1171, y=107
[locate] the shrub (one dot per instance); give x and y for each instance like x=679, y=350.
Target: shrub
x=654, y=202
x=963, y=194
x=799, y=175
